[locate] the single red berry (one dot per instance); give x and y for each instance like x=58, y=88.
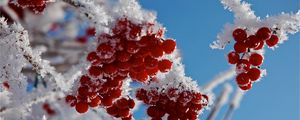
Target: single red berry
x=164, y=65
x=243, y=65
x=169, y=46
x=246, y=87
x=256, y=59
x=156, y=51
x=254, y=74
x=272, y=41
x=132, y=47
x=110, y=69
x=233, y=57
x=131, y=103
x=107, y=101
x=124, y=112
x=264, y=33
x=142, y=76
x=92, y=56
x=113, y=110
x=82, y=107
x=71, y=100
x=122, y=103
x=83, y=91
x=91, y=31
x=151, y=62
x=152, y=71
x=105, y=51
x=6, y=85
x=84, y=80
x=151, y=111
x=240, y=47
x=123, y=56
x=95, y=102
x=239, y=35
x=242, y=79
x=124, y=65
x=253, y=41
x=95, y=71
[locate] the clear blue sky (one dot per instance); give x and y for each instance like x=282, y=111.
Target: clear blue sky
x=195, y=24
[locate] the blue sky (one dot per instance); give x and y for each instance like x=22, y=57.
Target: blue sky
x=195, y=24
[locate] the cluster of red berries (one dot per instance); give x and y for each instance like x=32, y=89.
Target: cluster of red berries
x=124, y=54
x=248, y=69
x=121, y=109
x=48, y=109
x=35, y=6
x=183, y=105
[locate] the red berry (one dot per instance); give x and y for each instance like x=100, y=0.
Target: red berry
x=150, y=62
x=233, y=57
x=132, y=47
x=107, y=101
x=264, y=33
x=84, y=80
x=31, y=3
x=6, y=85
x=82, y=107
x=83, y=91
x=95, y=71
x=151, y=111
x=91, y=31
x=253, y=41
x=254, y=74
x=156, y=51
x=71, y=100
x=105, y=51
x=164, y=65
x=152, y=71
x=246, y=87
x=95, y=102
x=122, y=103
x=243, y=65
x=82, y=39
x=242, y=79
x=240, y=47
x=256, y=59
x=169, y=46
x=131, y=103
x=113, y=110
x=239, y=35
x=124, y=66
x=110, y=69
x=142, y=76
x=123, y=56
x=92, y=56
x=124, y=112
x=272, y=41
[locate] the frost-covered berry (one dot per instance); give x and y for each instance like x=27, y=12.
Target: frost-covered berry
x=240, y=47
x=82, y=107
x=256, y=59
x=169, y=46
x=254, y=74
x=239, y=35
x=164, y=65
x=264, y=33
x=233, y=57
x=272, y=41
x=242, y=79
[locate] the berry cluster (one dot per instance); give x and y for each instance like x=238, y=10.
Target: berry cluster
x=183, y=105
x=125, y=53
x=35, y=6
x=248, y=68
x=121, y=109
